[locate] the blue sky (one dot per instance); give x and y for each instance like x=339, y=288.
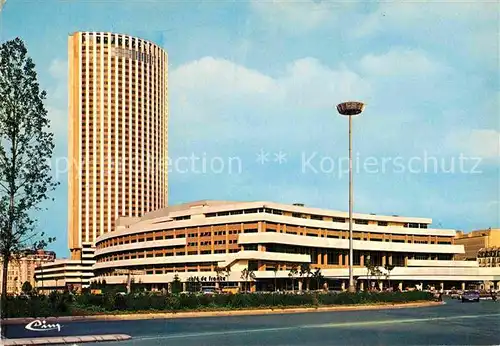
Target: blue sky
x=263, y=77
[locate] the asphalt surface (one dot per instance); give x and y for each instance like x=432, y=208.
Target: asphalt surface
x=454, y=323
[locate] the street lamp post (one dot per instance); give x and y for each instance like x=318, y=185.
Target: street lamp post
x=350, y=109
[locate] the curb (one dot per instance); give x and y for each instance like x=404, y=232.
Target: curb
x=57, y=340
x=220, y=313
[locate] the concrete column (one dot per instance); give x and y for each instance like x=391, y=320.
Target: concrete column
x=383, y=260
x=343, y=285
x=361, y=286
x=184, y=287
x=400, y=286
x=217, y=285
x=300, y=285
x=381, y=286
x=463, y=286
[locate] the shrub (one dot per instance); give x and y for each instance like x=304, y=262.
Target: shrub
x=57, y=304
x=172, y=303
x=27, y=288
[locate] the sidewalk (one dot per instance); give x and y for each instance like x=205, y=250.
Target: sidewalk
x=65, y=339
x=169, y=315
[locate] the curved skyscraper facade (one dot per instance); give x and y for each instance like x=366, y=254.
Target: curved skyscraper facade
x=118, y=118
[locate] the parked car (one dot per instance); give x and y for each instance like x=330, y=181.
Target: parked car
x=455, y=294
x=470, y=296
x=209, y=290
x=231, y=290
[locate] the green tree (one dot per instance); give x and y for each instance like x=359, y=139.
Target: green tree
x=222, y=272
x=93, y=285
x=305, y=273
x=275, y=270
x=219, y=271
x=318, y=276
x=246, y=276
x=26, y=146
x=190, y=283
x=373, y=271
x=176, y=285
x=27, y=288
x=227, y=272
x=292, y=273
x=389, y=268
x=370, y=268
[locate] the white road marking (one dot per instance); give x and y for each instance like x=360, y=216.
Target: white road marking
x=314, y=326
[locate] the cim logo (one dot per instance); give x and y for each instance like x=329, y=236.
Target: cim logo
x=42, y=326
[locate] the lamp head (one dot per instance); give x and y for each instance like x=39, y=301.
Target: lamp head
x=350, y=108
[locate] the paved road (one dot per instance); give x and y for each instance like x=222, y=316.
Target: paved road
x=452, y=324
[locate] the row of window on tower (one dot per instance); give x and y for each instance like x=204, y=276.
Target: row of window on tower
x=118, y=40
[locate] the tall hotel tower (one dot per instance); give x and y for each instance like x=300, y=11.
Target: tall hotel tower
x=118, y=112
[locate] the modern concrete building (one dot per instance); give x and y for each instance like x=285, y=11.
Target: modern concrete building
x=489, y=257
x=474, y=241
x=23, y=269
x=118, y=118
x=269, y=239
x=72, y=274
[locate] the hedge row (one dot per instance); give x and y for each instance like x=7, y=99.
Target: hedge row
x=55, y=304
x=59, y=304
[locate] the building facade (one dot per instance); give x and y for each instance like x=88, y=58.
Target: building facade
x=23, y=269
x=118, y=118
x=489, y=257
x=66, y=274
x=269, y=239
x=474, y=241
